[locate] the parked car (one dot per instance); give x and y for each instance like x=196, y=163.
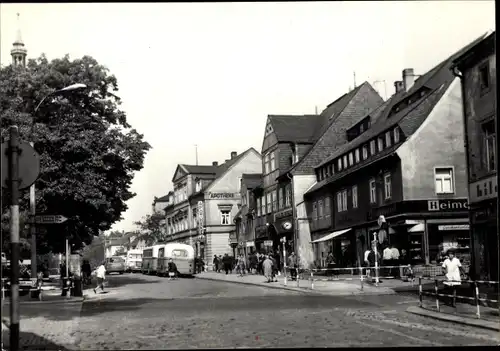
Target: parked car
x=115, y=264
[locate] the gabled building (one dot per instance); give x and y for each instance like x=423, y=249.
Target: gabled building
x=405, y=161
x=324, y=134
x=159, y=203
x=477, y=70
x=246, y=216
x=205, y=200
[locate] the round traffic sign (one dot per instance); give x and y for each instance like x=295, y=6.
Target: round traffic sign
x=29, y=165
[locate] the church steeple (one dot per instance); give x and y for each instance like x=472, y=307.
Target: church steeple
x=18, y=51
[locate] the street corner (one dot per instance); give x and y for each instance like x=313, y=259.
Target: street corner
x=478, y=323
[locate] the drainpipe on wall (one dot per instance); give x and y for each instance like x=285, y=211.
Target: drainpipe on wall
x=294, y=215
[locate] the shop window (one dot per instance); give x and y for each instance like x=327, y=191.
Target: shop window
x=489, y=145
x=388, y=139
x=327, y=207
x=396, y=135
x=356, y=155
x=387, y=186
x=444, y=180
x=365, y=152
x=373, y=191
x=351, y=159
x=355, y=196
x=484, y=77
x=372, y=147
x=320, y=209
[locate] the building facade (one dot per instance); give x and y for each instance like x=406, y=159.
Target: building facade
x=406, y=162
x=328, y=134
x=477, y=70
x=205, y=201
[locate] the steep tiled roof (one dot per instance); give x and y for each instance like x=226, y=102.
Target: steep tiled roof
x=164, y=198
x=226, y=165
x=299, y=129
x=200, y=169
x=252, y=180
x=336, y=119
x=411, y=117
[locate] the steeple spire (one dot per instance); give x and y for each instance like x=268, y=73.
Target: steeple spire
x=18, y=51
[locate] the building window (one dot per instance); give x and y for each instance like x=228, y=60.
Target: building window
x=345, y=161
x=269, y=202
x=484, y=77
x=332, y=168
x=365, y=152
x=373, y=191
x=342, y=201
x=327, y=207
x=380, y=144
x=490, y=141
x=361, y=128
x=320, y=209
x=263, y=205
x=288, y=196
x=315, y=211
x=225, y=217
x=275, y=201
x=259, y=201
x=396, y=135
x=355, y=196
x=273, y=162
x=388, y=139
x=351, y=159
x=198, y=185
x=387, y=186
x=356, y=155
x=281, y=198
x=327, y=171
x=372, y=147
x=266, y=164
x=339, y=163
x=444, y=180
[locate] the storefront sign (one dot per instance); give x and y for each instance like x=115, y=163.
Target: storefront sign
x=221, y=195
x=268, y=243
x=484, y=189
x=250, y=244
x=453, y=227
x=200, y=216
x=283, y=214
x=448, y=205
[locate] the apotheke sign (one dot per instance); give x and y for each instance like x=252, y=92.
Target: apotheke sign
x=221, y=195
x=448, y=205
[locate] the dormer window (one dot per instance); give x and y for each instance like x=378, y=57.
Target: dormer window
x=351, y=159
x=365, y=152
x=361, y=128
x=396, y=135
x=339, y=164
x=380, y=144
x=332, y=169
x=345, y=161
x=372, y=147
x=356, y=155
x=327, y=171
x=388, y=139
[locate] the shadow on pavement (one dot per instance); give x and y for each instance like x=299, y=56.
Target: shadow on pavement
x=32, y=341
x=115, y=281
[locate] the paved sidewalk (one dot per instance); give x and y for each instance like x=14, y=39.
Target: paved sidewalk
x=334, y=288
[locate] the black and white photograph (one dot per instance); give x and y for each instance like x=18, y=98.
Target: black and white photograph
x=220, y=175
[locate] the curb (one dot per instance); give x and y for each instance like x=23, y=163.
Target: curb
x=65, y=301
x=302, y=290
x=478, y=323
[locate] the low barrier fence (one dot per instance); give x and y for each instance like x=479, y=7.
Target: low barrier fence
x=448, y=289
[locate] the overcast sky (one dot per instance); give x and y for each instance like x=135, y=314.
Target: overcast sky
x=209, y=74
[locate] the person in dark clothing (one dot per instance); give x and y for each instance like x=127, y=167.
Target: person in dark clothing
x=216, y=263
x=259, y=265
x=226, y=261
x=292, y=263
x=277, y=258
x=86, y=272
x=172, y=270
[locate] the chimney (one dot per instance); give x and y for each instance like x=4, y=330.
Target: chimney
x=408, y=78
x=233, y=154
x=215, y=163
x=226, y=161
x=398, y=85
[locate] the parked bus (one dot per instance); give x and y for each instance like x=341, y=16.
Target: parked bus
x=181, y=254
x=134, y=260
x=150, y=259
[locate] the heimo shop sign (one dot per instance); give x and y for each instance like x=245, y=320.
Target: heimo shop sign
x=448, y=205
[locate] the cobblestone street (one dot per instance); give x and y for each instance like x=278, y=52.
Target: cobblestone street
x=145, y=312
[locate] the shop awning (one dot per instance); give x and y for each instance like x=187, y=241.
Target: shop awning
x=417, y=228
x=331, y=235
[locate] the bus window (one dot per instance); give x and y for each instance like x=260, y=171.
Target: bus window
x=179, y=253
x=161, y=252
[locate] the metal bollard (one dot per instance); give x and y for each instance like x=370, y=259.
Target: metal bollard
x=361, y=278
x=478, y=309
x=420, y=297
x=436, y=289
x=455, y=298
x=312, y=280
x=284, y=272
x=298, y=277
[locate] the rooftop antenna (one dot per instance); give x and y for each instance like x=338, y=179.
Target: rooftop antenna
x=196, y=151
x=354, y=73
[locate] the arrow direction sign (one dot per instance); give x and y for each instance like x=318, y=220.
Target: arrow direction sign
x=50, y=219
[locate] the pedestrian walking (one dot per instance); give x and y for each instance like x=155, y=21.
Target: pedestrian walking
x=253, y=263
x=267, y=266
x=226, y=261
x=452, y=269
x=216, y=263
x=172, y=270
x=395, y=261
x=387, y=260
x=101, y=276
x=292, y=263
x=274, y=276
x=240, y=266
x=330, y=265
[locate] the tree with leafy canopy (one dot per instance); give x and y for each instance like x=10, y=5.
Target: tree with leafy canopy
x=151, y=228
x=89, y=152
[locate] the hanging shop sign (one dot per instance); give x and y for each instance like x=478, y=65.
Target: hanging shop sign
x=454, y=227
x=250, y=244
x=268, y=243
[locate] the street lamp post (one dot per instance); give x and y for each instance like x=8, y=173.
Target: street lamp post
x=73, y=87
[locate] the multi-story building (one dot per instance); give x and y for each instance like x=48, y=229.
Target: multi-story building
x=318, y=137
x=159, y=203
x=246, y=216
x=477, y=70
x=205, y=200
x=405, y=161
